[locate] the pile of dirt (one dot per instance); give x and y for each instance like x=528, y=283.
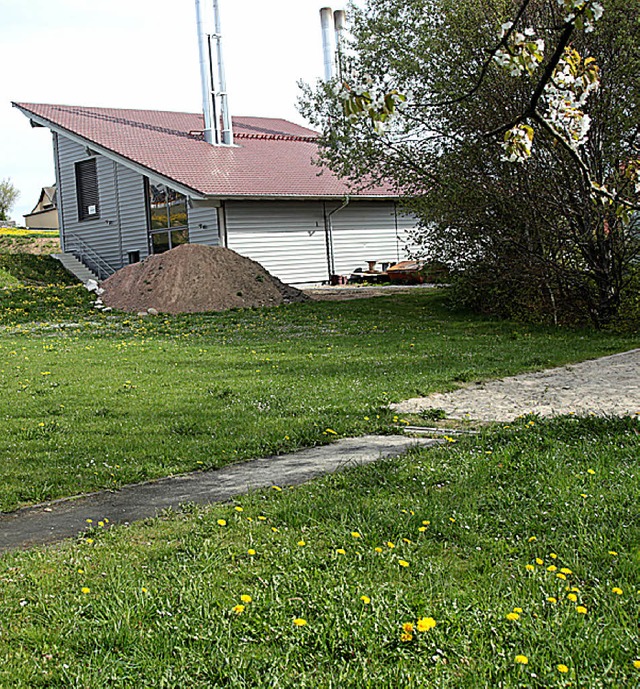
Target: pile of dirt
x=192, y=279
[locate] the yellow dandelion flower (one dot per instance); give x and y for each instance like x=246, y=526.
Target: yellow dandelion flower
x=389, y=544
x=613, y=552
x=407, y=541
x=89, y=521
x=407, y=627
x=274, y=529
x=81, y=571
x=532, y=539
x=299, y=622
x=100, y=524
x=144, y=589
x=330, y=431
x=566, y=570
x=245, y=598
x=341, y=551
x=222, y=522
x=452, y=519
x=88, y=540
x=581, y=610
x=636, y=664
x=551, y=599
x=262, y=518
x=591, y=471
x=562, y=668
x=406, y=636
x=365, y=599
x=562, y=576
x=301, y=543
x=238, y=609
x=583, y=495
x=523, y=660
x=403, y=563
x=426, y=522
x=513, y=616
x=616, y=590
x=529, y=568
x=517, y=610
x=553, y=556
x=572, y=597
x=422, y=529
x=276, y=488
x=425, y=624
x=539, y=561
x=378, y=549
x=355, y=534
x=237, y=508
x=85, y=590
x=251, y=551
x=551, y=568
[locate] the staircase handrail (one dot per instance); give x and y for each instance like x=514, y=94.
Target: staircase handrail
x=104, y=268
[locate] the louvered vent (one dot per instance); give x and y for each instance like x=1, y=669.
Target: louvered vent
x=87, y=190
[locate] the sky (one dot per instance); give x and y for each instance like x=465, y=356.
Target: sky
x=142, y=54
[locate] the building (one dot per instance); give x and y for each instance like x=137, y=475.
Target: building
x=44, y=216
x=131, y=183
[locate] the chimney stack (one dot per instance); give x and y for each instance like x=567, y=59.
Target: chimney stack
x=328, y=47
x=215, y=101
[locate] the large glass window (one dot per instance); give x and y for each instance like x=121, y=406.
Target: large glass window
x=168, y=218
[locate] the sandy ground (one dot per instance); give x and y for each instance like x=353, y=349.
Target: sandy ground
x=356, y=292
x=609, y=386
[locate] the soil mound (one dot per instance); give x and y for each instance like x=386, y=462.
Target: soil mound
x=193, y=278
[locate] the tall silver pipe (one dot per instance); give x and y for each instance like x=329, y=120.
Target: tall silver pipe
x=328, y=50
x=205, y=76
x=227, y=128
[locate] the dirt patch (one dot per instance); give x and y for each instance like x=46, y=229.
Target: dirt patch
x=361, y=292
x=29, y=245
x=192, y=279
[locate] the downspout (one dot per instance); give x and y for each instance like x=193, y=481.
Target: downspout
x=328, y=229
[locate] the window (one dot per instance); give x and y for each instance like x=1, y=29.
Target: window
x=167, y=218
x=87, y=190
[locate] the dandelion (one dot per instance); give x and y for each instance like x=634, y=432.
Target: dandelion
x=237, y=508
x=355, y=534
x=539, y=561
x=276, y=488
x=330, y=431
x=553, y=556
x=222, y=522
x=238, y=609
x=389, y=544
x=144, y=589
x=85, y=590
x=532, y=539
x=566, y=570
x=513, y=616
x=88, y=540
x=529, y=568
x=403, y=563
x=262, y=518
x=591, y=471
x=616, y=590
x=274, y=529
x=551, y=599
x=251, y=551
x=517, y=610
x=581, y=610
x=341, y=551
x=406, y=636
x=299, y=622
x=452, y=519
x=426, y=522
x=424, y=624
x=301, y=543
x=636, y=664
x=613, y=552
x=245, y=598
x=422, y=529
x=562, y=576
x=407, y=627
x=89, y=521
x=378, y=549
x=551, y=568
x=562, y=668
x=572, y=597
x=523, y=660
x=365, y=599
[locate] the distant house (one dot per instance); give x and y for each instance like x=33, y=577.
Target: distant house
x=134, y=182
x=44, y=216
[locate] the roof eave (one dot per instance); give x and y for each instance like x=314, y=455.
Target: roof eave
x=110, y=154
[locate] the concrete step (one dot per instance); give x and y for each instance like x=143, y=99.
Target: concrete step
x=76, y=267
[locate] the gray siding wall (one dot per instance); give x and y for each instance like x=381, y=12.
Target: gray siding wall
x=203, y=224
x=122, y=225
x=286, y=237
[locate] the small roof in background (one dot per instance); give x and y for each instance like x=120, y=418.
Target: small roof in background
x=271, y=158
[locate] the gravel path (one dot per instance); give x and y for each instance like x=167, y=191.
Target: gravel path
x=609, y=386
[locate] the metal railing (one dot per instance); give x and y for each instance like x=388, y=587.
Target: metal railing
x=86, y=255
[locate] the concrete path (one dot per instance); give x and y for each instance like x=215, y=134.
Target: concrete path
x=609, y=386
x=67, y=518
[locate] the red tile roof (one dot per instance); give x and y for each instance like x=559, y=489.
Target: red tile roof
x=270, y=158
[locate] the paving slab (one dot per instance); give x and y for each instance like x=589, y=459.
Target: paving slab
x=67, y=518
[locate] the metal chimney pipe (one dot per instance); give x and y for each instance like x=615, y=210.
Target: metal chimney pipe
x=340, y=24
x=227, y=128
x=328, y=50
x=205, y=76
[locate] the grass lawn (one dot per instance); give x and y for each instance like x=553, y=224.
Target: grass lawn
x=94, y=400
x=511, y=559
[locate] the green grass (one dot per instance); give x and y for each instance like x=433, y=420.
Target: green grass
x=97, y=401
x=479, y=523
x=7, y=279
x=30, y=269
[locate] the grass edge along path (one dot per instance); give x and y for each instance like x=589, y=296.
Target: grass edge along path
x=114, y=400
x=508, y=559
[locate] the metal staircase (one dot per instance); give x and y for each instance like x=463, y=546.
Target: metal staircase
x=76, y=267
